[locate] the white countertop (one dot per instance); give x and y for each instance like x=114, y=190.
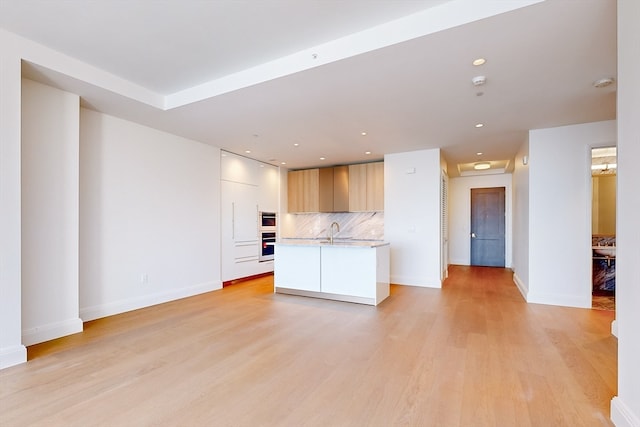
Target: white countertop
x=347, y=243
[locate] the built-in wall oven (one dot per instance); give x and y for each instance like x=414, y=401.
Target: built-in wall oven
x=268, y=220
x=268, y=224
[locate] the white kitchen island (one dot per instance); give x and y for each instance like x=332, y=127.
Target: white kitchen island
x=352, y=271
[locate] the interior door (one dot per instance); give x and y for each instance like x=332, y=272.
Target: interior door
x=488, y=226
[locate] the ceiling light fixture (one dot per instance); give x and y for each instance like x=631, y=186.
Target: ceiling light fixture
x=247, y=151
x=296, y=145
x=482, y=166
x=479, y=61
x=479, y=153
x=367, y=152
x=479, y=125
x=283, y=163
x=363, y=133
x=322, y=158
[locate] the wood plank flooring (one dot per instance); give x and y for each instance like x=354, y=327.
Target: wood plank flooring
x=471, y=354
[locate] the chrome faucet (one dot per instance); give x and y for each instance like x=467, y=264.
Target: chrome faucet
x=331, y=231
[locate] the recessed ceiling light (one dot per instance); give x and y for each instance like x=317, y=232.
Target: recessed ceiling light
x=296, y=145
x=247, y=151
x=479, y=153
x=479, y=125
x=367, y=152
x=283, y=163
x=363, y=133
x=479, y=61
x=322, y=158
x=482, y=166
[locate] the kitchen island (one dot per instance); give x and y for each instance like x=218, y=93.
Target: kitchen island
x=353, y=270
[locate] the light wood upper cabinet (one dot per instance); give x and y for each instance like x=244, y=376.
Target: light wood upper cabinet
x=353, y=188
x=325, y=190
x=303, y=190
x=366, y=187
x=340, y=189
x=358, y=187
x=375, y=186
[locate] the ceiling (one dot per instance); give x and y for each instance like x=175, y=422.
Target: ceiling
x=295, y=81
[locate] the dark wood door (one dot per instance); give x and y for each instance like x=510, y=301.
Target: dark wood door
x=487, y=226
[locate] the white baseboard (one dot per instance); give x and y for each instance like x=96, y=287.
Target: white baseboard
x=621, y=415
x=561, y=300
x=51, y=331
x=521, y=286
x=122, y=306
x=416, y=281
x=11, y=356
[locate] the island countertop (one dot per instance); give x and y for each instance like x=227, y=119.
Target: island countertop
x=351, y=243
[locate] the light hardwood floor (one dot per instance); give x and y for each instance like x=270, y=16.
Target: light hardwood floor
x=471, y=354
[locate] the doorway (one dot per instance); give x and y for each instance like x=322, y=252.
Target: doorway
x=603, y=227
x=488, y=227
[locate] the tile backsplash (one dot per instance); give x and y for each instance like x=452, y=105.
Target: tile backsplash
x=353, y=225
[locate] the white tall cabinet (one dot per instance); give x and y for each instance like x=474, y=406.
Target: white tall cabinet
x=247, y=187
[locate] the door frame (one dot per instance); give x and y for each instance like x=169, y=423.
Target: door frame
x=460, y=215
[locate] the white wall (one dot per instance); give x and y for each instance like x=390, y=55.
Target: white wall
x=460, y=214
x=625, y=408
x=412, y=216
x=50, y=123
x=12, y=351
x=560, y=211
x=520, y=264
x=149, y=216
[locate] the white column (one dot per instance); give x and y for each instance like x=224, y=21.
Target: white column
x=12, y=352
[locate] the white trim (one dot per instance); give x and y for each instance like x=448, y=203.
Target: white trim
x=560, y=299
x=122, y=306
x=51, y=331
x=326, y=295
x=416, y=281
x=621, y=415
x=614, y=328
x=521, y=286
x=11, y=356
